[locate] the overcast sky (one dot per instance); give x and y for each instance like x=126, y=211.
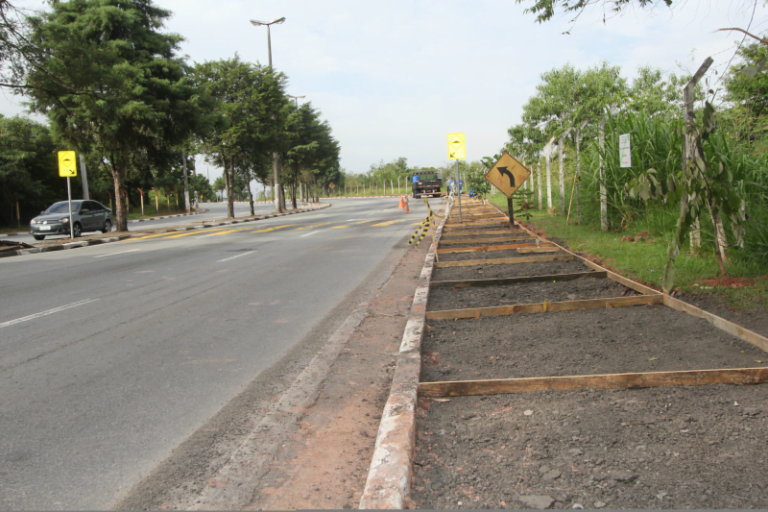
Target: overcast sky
x=394, y=78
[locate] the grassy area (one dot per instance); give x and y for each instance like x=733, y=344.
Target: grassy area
x=644, y=259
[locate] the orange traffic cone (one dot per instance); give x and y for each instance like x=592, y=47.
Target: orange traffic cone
x=402, y=205
x=407, y=210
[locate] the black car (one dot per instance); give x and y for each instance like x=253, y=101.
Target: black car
x=86, y=216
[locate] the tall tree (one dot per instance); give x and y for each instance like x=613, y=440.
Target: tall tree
x=140, y=102
x=249, y=114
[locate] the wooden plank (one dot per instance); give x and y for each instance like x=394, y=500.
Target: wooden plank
x=485, y=240
x=603, y=381
x=534, y=250
x=512, y=280
x=470, y=222
x=493, y=232
x=745, y=334
x=541, y=307
x=503, y=261
x=490, y=248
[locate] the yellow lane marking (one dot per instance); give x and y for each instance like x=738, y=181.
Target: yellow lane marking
x=314, y=226
x=155, y=235
x=267, y=230
x=193, y=232
x=230, y=231
x=388, y=223
x=352, y=224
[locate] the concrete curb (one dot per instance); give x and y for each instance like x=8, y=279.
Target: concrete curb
x=212, y=224
x=63, y=247
x=20, y=233
x=389, y=476
x=168, y=216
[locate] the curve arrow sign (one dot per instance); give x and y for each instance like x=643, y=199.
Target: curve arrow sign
x=504, y=171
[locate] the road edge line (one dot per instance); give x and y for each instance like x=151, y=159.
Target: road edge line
x=389, y=476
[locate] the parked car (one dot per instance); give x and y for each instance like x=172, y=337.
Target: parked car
x=86, y=216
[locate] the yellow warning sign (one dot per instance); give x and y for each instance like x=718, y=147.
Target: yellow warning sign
x=456, y=148
x=67, y=164
x=507, y=174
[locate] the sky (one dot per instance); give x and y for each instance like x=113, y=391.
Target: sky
x=394, y=78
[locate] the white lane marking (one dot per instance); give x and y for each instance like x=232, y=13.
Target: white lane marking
x=44, y=313
x=116, y=253
x=236, y=256
x=310, y=233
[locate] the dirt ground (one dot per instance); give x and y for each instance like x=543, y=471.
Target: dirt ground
x=526, y=269
x=525, y=293
x=633, y=339
x=696, y=447
x=486, y=255
x=325, y=464
x=666, y=447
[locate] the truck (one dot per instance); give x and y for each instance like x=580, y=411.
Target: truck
x=426, y=183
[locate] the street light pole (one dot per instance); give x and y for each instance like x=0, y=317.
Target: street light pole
x=296, y=98
x=279, y=199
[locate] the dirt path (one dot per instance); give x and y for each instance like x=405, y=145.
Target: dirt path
x=325, y=463
x=663, y=447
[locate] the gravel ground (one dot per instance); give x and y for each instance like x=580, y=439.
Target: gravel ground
x=666, y=447
x=697, y=447
x=633, y=339
x=525, y=293
x=526, y=269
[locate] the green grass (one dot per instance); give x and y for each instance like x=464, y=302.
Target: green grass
x=645, y=260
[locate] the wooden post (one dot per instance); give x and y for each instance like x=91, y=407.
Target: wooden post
x=511, y=209
x=18, y=214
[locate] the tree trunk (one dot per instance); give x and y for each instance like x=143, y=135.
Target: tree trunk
x=230, y=188
x=578, y=175
x=722, y=240
x=538, y=166
x=293, y=195
x=250, y=194
x=737, y=226
x=603, y=190
x=118, y=177
x=549, y=174
x=562, y=170
x=186, y=180
x=279, y=198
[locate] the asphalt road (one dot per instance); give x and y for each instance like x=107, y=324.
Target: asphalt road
x=112, y=355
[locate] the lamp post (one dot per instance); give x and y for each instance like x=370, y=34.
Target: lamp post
x=296, y=98
x=279, y=198
x=257, y=23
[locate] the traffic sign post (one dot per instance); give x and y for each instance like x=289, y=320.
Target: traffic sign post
x=457, y=150
x=508, y=175
x=68, y=169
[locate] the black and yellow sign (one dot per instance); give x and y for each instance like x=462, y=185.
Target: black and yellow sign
x=507, y=174
x=457, y=150
x=67, y=164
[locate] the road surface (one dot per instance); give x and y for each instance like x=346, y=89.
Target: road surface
x=112, y=355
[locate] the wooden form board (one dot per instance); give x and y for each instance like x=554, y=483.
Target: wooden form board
x=487, y=248
x=513, y=280
x=541, y=307
x=603, y=381
x=534, y=250
x=508, y=238
x=462, y=227
x=484, y=233
x=743, y=333
x=503, y=261
x=470, y=222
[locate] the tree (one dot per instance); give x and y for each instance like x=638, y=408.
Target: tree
x=140, y=102
x=545, y=9
x=248, y=119
x=27, y=169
